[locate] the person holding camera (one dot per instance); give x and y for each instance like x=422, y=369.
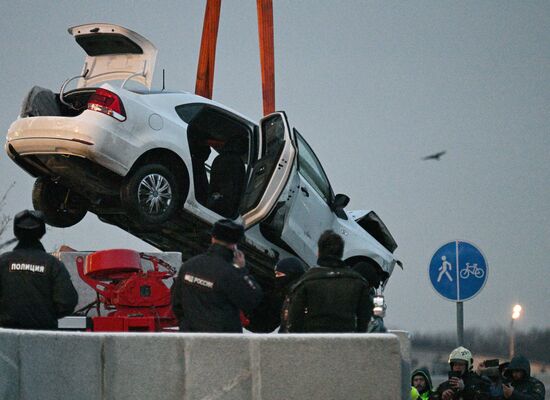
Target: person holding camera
x=463, y=383
x=35, y=287
x=522, y=385
x=491, y=371
x=212, y=288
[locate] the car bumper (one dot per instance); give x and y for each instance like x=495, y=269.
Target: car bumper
x=71, y=136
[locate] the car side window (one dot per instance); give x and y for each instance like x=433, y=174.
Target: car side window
x=273, y=142
x=188, y=111
x=312, y=171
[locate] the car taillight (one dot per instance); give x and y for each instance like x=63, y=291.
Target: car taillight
x=107, y=102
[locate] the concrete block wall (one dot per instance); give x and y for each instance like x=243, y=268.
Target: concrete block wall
x=105, y=366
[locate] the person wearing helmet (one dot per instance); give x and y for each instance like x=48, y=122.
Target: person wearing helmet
x=267, y=317
x=522, y=385
x=463, y=383
x=422, y=381
x=35, y=287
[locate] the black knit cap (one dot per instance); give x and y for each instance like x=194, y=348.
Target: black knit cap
x=291, y=266
x=227, y=231
x=29, y=224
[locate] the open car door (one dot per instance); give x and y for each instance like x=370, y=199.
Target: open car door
x=271, y=171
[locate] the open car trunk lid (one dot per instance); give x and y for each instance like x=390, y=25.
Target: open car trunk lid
x=114, y=53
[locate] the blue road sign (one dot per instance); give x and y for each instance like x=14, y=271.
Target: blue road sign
x=458, y=271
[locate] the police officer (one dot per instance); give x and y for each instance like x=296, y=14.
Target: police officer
x=330, y=297
x=267, y=316
x=212, y=288
x=35, y=287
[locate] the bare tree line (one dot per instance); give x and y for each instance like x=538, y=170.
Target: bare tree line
x=5, y=219
x=533, y=344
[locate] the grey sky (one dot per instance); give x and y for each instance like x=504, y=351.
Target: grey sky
x=373, y=86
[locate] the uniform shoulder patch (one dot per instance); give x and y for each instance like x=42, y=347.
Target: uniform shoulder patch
x=16, y=267
x=198, y=281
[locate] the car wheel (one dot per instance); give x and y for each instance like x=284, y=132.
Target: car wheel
x=61, y=206
x=152, y=194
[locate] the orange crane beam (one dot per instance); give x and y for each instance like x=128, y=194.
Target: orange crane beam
x=204, y=85
x=265, y=34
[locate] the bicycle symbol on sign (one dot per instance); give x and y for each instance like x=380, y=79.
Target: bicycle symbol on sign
x=472, y=269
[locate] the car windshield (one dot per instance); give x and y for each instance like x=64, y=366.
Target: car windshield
x=312, y=171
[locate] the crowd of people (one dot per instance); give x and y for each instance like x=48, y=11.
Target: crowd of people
x=212, y=292
x=215, y=292
x=492, y=381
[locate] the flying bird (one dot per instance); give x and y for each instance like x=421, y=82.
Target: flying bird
x=435, y=156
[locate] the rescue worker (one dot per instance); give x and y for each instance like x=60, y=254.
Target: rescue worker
x=212, y=288
x=422, y=381
x=330, y=297
x=35, y=287
x=463, y=383
x=267, y=317
x=522, y=385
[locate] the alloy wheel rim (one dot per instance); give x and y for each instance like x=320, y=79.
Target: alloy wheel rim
x=154, y=194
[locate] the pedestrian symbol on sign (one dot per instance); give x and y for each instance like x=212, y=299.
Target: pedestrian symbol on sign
x=446, y=266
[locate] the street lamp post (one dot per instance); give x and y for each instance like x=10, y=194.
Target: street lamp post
x=516, y=312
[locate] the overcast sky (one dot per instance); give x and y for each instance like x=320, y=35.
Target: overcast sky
x=373, y=87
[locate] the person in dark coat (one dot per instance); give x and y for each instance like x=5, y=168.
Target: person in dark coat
x=422, y=381
x=267, y=317
x=212, y=288
x=330, y=297
x=463, y=383
x=35, y=287
x=522, y=385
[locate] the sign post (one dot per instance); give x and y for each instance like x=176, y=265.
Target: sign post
x=458, y=271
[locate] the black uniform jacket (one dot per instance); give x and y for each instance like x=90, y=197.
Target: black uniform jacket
x=35, y=288
x=210, y=291
x=329, y=298
x=528, y=388
x=475, y=388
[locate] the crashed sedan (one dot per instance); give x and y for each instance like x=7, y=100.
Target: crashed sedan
x=165, y=165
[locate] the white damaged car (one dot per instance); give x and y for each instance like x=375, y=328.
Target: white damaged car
x=165, y=165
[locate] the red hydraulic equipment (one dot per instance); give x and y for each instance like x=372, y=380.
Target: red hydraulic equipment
x=136, y=299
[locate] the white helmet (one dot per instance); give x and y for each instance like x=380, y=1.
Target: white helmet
x=462, y=354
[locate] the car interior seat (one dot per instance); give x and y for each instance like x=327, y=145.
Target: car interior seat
x=227, y=178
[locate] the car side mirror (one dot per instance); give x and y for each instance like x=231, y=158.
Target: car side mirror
x=338, y=204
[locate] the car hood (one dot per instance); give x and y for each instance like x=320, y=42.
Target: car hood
x=114, y=53
x=371, y=222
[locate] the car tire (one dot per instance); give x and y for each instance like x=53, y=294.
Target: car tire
x=152, y=194
x=61, y=206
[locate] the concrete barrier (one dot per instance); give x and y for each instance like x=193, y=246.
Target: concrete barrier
x=105, y=366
